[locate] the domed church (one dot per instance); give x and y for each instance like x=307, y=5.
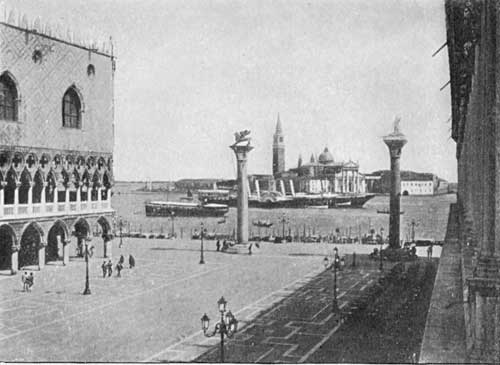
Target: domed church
x=321, y=174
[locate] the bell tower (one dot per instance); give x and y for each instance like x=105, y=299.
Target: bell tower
x=278, y=150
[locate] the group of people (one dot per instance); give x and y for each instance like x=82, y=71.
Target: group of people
x=226, y=244
x=107, y=267
x=28, y=281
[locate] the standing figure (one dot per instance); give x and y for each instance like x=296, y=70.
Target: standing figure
x=23, y=279
x=104, y=267
x=119, y=268
x=122, y=260
x=30, y=281
x=429, y=252
x=131, y=261
x=250, y=249
x=217, y=245
x=110, y=268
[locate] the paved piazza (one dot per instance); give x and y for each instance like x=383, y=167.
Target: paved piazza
x=152, y=313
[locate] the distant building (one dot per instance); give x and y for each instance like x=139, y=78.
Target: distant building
x=321, y=175
x=56, y=144
x=412, y=183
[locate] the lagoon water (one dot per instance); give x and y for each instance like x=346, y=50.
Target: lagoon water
x=430, y=214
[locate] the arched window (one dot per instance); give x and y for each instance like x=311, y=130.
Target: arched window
x=71, y=109
x=8, y=98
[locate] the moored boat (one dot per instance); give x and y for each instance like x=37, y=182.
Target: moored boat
x=184, y=209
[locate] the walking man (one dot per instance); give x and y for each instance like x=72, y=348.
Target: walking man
x=119, y=268
x=429, y=252
x=110, y=268
x=23, y=279
x=104, y=267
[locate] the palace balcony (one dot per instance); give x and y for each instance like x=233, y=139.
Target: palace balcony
x=102, y=204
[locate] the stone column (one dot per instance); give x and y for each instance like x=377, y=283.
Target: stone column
x=395, y=141
x=14, y=263
x=241, y=149
x=41, y=255
x=16, y=198
x=2, y=197
x=42, y=198
x=30, y=198
x=66, y=245
x=66, y=199
x=108, y=246
x=257, y=188
x=55, y=198
x=79, y=196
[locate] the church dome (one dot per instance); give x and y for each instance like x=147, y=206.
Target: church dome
x=325, y=157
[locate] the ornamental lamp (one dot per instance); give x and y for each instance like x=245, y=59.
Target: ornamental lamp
x=325, y=262
x=222, y=304
x=205, y=321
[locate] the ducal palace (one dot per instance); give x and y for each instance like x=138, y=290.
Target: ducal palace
x=56, y=143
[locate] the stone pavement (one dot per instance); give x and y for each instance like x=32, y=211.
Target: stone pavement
x=296, y=326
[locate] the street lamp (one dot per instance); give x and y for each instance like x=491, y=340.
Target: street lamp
x=381, y=267
x=87, y=282
x=202, y=231
x=227, y=326
x=120, y=225
x=334, y=266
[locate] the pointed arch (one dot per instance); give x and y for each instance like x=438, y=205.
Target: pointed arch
x=72, y=106
x=9, y=97
x=12, y=181
x=8, y=243
x=25, y=180
x=38, y=184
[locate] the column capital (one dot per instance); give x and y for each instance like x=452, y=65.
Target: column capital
x=66, y=242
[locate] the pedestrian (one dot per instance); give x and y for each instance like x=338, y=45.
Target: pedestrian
x=104, y=267
x=429, y=252
x=119, y=268
x=250, y=249
x=122, y=260
x=110, y=268
x=131, y=261
x=217, y=245
x=30, y=279
x=23, y=279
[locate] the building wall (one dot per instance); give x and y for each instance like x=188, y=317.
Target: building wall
x=41, y=87
x=414, y=187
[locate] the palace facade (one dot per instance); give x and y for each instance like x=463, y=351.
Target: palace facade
x=56, y=143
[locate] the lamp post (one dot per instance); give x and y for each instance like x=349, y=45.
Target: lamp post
x=381, y=266
x=87, y=282
x=120, y=225
x=334, y=266
x=202, y=260
x=227, y=326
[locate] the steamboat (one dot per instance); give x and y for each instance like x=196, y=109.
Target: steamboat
x=185, y=209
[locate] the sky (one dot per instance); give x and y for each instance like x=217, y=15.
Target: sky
x=190, y=73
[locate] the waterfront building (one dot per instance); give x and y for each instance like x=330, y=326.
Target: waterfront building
x=412, y=183
x=56, y=143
